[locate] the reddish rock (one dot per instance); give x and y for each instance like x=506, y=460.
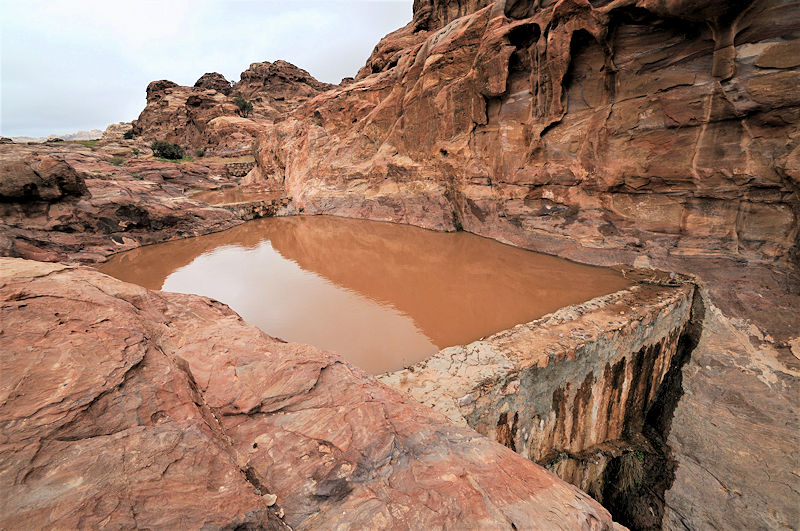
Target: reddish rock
x=157, y=89
x=275, y=88
x=181, y=114
x=600, y=133
x=662, y=133
x=123, y=407
x=214, y=81
x=655, y=132
x=206, y=117
x=37, y=177
x=86, y=208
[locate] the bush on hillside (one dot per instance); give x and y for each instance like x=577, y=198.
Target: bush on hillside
x=128, y=135
x=167, y=150
x=245, y=107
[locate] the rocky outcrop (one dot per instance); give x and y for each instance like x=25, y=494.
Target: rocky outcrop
x=37, y=177
x=123, y=407
x=276, y=88
x=182, y=115
x=214, y=81
x=206, y=117
x=63, y=203
x=116, y=132
x=601, y=131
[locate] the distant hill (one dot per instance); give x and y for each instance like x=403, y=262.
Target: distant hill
x=91, y=134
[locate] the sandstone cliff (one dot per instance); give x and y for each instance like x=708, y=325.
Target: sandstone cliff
x=626, y=128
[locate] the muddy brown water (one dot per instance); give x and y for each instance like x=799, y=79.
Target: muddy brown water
x=232, y=195
x=380, y=294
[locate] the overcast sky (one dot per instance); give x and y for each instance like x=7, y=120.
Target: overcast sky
x=84, y=64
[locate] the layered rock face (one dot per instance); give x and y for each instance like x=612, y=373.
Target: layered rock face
x=191, y=418
x=627, y=128
x=205, y=116
x=72, y=203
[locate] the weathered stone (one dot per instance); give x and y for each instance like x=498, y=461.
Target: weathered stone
x=656, y=132
x=86, y=208
x=36, y=177
x=275, y=88
x=214, y=81
x=206, y=117
x=575, y=391
x=619, y=118
x=116, y=132
x=131, y=408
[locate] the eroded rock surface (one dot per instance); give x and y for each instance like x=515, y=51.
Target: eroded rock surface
x=72, y=203
x=38, y=177
x=276, y=88
x=123, y=407
x=655, y=133
x=214, y=81
x=601, y=131
x=205, y=116
x=181, y=115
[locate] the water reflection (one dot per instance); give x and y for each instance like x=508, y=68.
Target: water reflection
x=380, y=294
x=232, y=195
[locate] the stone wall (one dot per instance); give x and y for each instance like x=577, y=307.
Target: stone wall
x=572, y=391
x=239, y=169
x=267, y=208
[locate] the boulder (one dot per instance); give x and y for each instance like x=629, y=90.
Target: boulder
x=38, y=178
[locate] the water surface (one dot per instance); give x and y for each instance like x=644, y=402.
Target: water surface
x=380, y=294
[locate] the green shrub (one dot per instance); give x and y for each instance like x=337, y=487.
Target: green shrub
x=175, y=161
x=135, y=151
x=88, y=143
x=167, y=150
x=199, y=152
x=245, y=107
x=128, y=135
x=116, y=161
x=457, y=222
